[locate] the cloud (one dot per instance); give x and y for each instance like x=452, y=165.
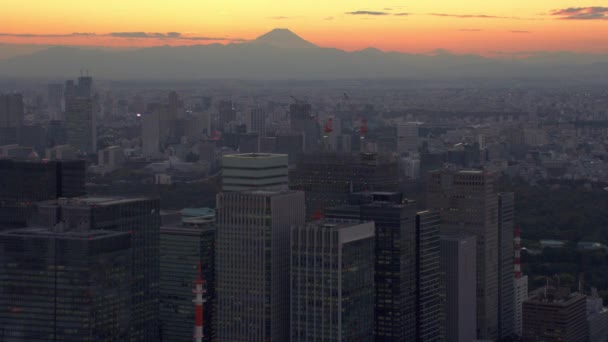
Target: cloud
x=470, y=30
x=470, y=16
x=520, y=31
x=367, y=13
x=125, y=35
x=582, y=13
x=35, y=35
x=328, y=18
x=387, y=9
x=403, y=14
x=280, y=17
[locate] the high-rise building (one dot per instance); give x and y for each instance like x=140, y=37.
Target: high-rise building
x=458, y=287
x=11, y=118
x=428, y=260
x=332, y=281
x=173, y=106
x=256, y=121
x=407, y=137
x=80, y=120
x=521, y=295
x=553, y=315
x=24, y=182
x=65, y=285
x=55, y=99
x=506, y=297
x=141, y=218
x=303, y=122
x=468, y=202
x=181, y=250
x=329, y=178
x=227, y=114
x=597, y=318
x=252, y=263
x=150, y=132
x=254, y=171
x=395, y=262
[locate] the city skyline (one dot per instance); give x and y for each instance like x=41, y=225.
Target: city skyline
x=496, y=28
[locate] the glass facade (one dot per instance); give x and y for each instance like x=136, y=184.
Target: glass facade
x=182, y=248
x=65, y=286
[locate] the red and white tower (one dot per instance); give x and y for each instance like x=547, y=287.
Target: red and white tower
x=517, y=248
x=198, y=301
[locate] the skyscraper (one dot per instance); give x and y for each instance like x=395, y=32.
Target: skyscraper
x=11, y=118
x=395, y=262
x=256, y=121
x=24, y=182
x=80, y=120
x=303, y=122
x=554, y=314
x=407, y=137
x=332, y=282
x=468, y=202
x=181, y=249
x=72, y=285
x=150, y=131
x=252, y=263
x=227, y=114
x=521, y=295
x=251, y=171
x=138, y=216
x=506, y=302
x=329, y=178
x=458, y=285
x=428, y=260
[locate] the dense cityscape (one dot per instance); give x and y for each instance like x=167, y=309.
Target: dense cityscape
x=301, y=208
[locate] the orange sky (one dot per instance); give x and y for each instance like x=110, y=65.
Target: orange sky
x=459, y=26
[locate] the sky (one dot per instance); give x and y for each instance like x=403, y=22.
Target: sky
x=490, y=27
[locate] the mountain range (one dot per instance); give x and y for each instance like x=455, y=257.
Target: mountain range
x=282, y=55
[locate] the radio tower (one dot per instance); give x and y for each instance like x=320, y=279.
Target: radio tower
x=517, y=259
x=198, y=303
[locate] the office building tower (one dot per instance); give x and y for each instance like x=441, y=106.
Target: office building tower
x=428, y=260
x=458, y=287
x=597, y=318
x=395, y=262
x=407, y=137
x=80, y=120
x=137, y=216
x=151, y=131
x=72, y=285
x=227, y=114
x=521, y=294
x=55, y=100
x=291, y=144
x=254, y=171
x=182, y=248
x=506, y=297
x=252, y=263
x=468, y=202
x=332, y=281
x=249, y=143
x=256, y=121
x=79, y=123
x=553, y=315
x=110, y=158
x=11, y=118
x=304, y=122
x=55, y=133
x=328, y=178
x=24, y=182
x=173, y=107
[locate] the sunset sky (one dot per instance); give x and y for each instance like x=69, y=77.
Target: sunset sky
x=460, y=26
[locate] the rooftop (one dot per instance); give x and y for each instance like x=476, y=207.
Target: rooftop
x=255, y=155
x=65, y=235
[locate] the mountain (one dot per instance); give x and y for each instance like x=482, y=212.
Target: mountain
x=283, y=38
x=281, y=54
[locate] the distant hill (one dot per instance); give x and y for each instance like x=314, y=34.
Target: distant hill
x=281, y=54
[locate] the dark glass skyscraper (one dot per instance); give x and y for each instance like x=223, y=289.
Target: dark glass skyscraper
x=182, y=248
x=395, y=268
x=428, y=306
x=332, y=282
x=141, y=218
x=506, y=284
x=23, y=182
x=65, y=285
